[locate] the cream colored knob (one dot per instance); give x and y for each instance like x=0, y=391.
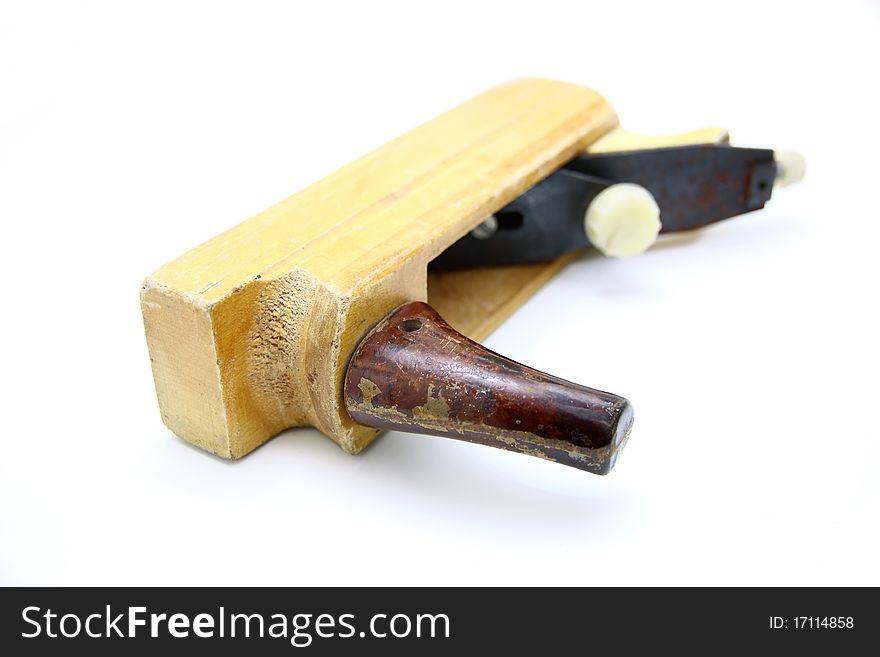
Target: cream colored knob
x=790, y=167
x=623, y=220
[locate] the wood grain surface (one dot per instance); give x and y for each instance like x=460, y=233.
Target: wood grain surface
x=251, y=332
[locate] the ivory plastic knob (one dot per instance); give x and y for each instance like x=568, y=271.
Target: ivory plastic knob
x=791, y=167
x=623, y=220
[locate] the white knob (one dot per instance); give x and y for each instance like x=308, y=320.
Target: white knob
x=790, y=167
x=623, y=220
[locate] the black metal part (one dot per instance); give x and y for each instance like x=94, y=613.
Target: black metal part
x=693, y=185
x=537, y=226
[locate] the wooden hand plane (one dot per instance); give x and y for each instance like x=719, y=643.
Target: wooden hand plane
x=356, y=304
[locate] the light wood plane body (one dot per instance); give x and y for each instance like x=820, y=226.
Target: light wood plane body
x=250, y=333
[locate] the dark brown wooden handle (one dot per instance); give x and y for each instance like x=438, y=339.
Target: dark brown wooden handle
x=415, y=373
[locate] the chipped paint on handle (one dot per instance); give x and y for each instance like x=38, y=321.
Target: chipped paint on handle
x=415, y=373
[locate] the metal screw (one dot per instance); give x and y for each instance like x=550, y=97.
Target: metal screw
x=486, y=229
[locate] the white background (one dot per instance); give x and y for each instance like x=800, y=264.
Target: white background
x=128, y=135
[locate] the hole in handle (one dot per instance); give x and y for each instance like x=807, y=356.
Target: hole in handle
x=410, y=325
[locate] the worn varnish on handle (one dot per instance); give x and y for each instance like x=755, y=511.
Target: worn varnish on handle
x=416, y=373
